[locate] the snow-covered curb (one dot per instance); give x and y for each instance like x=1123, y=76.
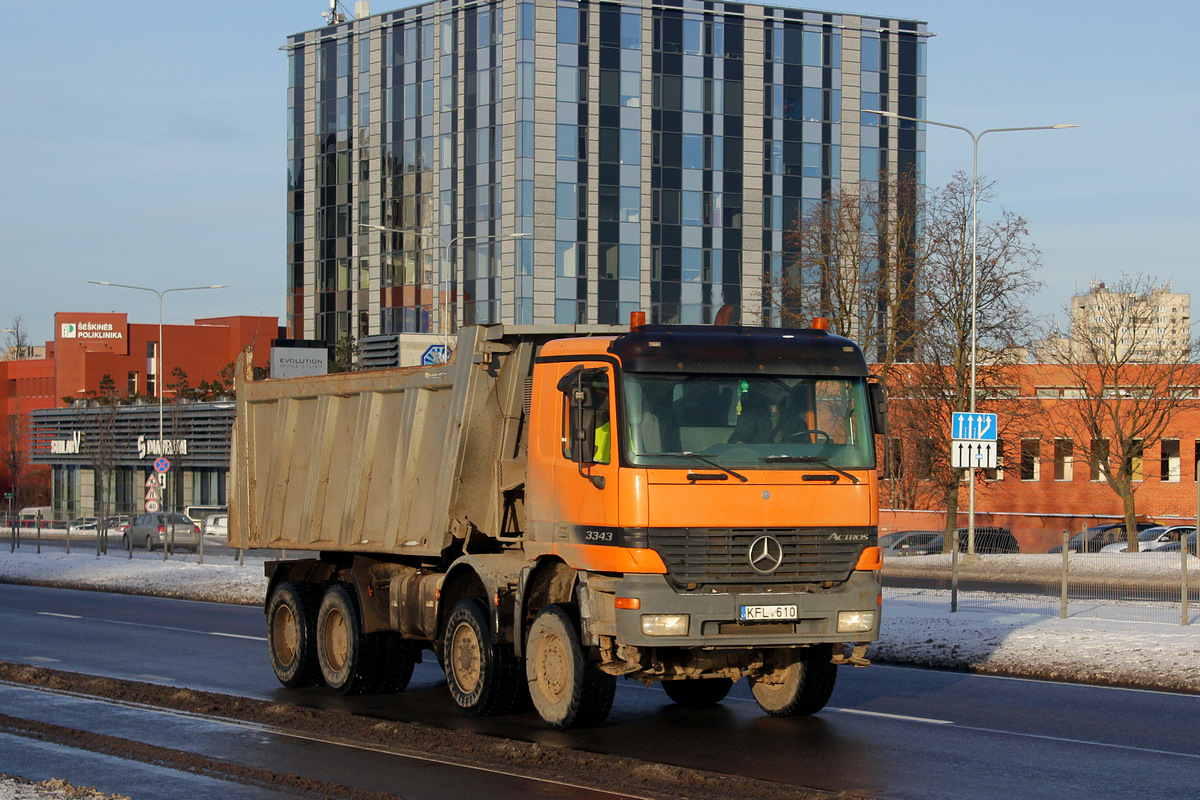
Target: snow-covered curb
x=918, y=627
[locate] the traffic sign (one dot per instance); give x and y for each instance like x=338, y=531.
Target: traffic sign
x=973, y=427
x=152, y=493
x=968, y=454
x=152, y=479
x=434, y=354
x=152, y=506
x=161, y=464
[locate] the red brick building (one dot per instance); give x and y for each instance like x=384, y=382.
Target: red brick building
x=1048, y=479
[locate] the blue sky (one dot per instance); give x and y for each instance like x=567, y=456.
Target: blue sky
x=144, y=143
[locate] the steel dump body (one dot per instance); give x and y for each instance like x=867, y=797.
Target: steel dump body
x=397, y=461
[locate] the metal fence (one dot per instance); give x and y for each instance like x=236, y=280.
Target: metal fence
x=1151, y=586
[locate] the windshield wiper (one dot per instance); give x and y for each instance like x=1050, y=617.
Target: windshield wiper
x=698, y=457
x=824, y=462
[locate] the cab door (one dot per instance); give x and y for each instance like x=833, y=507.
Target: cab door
x=573, y=465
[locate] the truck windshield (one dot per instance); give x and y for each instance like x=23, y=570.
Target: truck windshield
x=747, y=421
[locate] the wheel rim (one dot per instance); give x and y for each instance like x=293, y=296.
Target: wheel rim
x=284, y=636
x=336, y=638
x=552, y=669
x=465, y=658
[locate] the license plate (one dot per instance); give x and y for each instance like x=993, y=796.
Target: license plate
x=757, y=613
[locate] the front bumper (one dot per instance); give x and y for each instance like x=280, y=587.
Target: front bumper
x=714, y=616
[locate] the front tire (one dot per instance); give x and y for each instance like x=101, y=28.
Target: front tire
x=799, y=687
x=291, y=636
x=483, y=678
x=698, y=692
x=567, y=691
x=344, y=653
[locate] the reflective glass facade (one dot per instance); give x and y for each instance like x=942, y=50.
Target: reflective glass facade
x=538, y=161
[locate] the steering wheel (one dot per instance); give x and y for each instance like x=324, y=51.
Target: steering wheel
x=812, y=433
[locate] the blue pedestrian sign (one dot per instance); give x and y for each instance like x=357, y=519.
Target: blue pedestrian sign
x=434, y=354
x=974, y=427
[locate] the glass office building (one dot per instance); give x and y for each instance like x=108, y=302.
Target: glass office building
x=546, y=161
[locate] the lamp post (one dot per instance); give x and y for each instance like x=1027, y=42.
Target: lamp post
x=974, y=269
x=443, y=252
x=158, y=369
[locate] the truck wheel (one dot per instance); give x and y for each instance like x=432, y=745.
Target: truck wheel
x=396, y=657
x=698, y=692
x=483, y=678
x=291, y=619
x=567, y=691
x=803, y=686
x=344, y=653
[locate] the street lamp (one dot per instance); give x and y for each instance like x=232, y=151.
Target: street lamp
x=443, y=252
x=974, y=268
x=158, y=369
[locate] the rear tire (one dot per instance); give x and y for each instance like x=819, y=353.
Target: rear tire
x=567, y=691
x=698, y=692
x=483, y=678
x=291, y=635
x=804, y=684
x=344, y=653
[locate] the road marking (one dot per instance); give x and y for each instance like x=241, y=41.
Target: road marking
x=901, y=717
x=155, y=627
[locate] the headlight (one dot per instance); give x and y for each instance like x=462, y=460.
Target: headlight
x=855, y=621
x=665, y=624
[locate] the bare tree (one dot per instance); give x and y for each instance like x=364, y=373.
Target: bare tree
x=18, y=340
x=853, y=259
x=938, y=382
x=15, y=454
x=1129, y=381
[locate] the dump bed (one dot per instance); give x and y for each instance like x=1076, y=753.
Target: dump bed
x=399, y=461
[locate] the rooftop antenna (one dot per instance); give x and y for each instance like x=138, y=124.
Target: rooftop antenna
x=333, y=16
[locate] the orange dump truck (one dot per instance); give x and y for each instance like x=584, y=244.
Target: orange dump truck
x=559, y=506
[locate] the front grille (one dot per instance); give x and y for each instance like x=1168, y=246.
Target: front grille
x=721, y=555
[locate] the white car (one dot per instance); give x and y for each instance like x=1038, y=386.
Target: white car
x=1151, y=538
x=216, y=525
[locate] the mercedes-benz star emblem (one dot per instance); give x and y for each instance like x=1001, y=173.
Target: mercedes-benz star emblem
x=765, y=555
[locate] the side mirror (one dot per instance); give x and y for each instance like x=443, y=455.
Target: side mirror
x=878, y=397
x=581, y=401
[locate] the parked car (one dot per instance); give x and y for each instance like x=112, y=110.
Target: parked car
x=151, y=530
x=215, y=525
x=83, y=524
x=197, y=514
x=1151, y=539
x=117, y=522
x=1098, y=536
x=989, y=539
x=911, y=543
x=1173, y=547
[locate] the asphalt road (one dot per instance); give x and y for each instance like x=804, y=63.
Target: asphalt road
x=889, y=732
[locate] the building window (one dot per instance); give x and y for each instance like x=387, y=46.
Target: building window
x=1099, y=458
x=1063, y=459
x=132, y=386
x=1169, y=468
x=1030, y=460
x=1137, y=461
